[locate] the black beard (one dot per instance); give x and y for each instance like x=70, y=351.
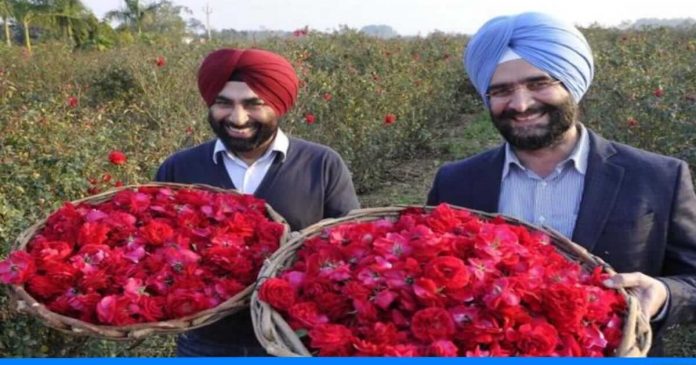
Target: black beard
x=264, y=133
x=561, y=118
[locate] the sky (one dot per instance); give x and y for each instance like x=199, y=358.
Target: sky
x=410, y=17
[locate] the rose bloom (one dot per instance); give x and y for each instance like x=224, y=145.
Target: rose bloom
x=332, y=339
x=278, y=293
x=432, y=324
x=117, y=157
x=73, y=102
x=17, y=268
x=306, y=315
x=448, y=271
x=443, y=348
x=310, y=118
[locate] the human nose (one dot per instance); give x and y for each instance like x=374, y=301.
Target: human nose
x=520, y=99
x=238, y=116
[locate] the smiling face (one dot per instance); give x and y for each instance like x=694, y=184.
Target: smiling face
x=244, y=122
x=529, y=108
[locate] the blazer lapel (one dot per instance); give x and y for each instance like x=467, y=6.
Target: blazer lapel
x=602, y=184
x=485, y=194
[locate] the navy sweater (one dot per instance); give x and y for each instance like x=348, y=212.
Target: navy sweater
x=310, y=184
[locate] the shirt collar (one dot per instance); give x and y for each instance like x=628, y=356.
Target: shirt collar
x=280, y=144
x=582, y=151
x=578, y=156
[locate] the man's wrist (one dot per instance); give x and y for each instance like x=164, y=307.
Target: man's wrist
x=662, y=313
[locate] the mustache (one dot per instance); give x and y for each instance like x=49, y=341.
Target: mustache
x=235, y=126
x=511, y=113
x=254, y=126
x=224, y=122
x=249, y=123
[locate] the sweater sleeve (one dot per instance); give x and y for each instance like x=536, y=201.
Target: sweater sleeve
x=339, y=194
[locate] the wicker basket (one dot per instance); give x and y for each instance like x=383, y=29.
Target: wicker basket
x=278, y=338
x=26, y=303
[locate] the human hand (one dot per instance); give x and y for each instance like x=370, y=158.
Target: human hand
x=651, y=293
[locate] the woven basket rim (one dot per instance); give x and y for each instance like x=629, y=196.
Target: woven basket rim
x=275, y=334
x=24, y=302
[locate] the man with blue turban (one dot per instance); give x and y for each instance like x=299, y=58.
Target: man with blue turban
x=634, y=209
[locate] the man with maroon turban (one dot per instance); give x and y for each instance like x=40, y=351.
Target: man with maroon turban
x=247, y=91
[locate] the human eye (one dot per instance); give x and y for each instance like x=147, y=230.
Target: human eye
x=226, y=103
x=500, y=91
x=536, y=85
x=254, y=103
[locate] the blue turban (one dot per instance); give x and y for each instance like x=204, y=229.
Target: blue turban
x=548, y=44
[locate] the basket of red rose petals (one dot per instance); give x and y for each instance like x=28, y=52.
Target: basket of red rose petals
x=145, y=259
x=440, y=281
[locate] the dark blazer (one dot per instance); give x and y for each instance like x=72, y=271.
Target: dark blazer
x=638, y=212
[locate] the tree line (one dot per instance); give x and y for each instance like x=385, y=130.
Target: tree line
x=25, y=22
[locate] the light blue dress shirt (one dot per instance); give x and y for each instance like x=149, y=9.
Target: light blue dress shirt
x=552, y=201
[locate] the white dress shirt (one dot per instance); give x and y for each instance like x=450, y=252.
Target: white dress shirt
x=247, y=178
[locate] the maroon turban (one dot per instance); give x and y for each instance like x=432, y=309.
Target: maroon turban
x=269, y=75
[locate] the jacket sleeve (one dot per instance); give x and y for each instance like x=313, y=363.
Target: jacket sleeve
x=679, y=268
x=433, y=194
x=164, y=172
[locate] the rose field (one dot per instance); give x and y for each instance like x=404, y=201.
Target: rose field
x=74, y=123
